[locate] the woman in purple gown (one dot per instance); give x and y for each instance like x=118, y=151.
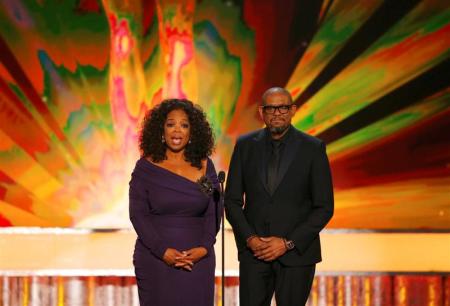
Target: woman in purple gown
x=174, y=207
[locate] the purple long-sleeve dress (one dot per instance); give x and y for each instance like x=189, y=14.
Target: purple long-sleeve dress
x=170, y=211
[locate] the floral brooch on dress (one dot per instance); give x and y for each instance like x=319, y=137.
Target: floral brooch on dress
x=206, y=185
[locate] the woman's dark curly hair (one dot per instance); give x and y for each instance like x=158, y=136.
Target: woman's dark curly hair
x=202, y=139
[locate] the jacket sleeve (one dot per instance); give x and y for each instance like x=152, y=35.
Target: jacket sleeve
x=212, y=214
x=141, y=218
x=322, y=202
x=234, y=196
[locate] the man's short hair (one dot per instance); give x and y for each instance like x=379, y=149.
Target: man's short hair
x=275, y=90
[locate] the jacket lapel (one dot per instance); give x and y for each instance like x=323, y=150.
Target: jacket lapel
x=289, y=154
x=262, y=158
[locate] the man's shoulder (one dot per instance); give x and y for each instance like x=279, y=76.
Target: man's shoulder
x=251, y=136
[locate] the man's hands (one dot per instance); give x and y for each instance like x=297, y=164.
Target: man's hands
x=267, y=248
x=255, y=243
x=185, y=259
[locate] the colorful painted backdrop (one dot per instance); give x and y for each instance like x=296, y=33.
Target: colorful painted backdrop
x=371, y=78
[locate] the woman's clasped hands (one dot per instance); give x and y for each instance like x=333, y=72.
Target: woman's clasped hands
x=184, y=259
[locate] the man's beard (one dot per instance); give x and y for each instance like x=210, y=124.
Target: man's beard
x=277, y=130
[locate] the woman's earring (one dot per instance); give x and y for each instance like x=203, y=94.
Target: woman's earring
x=163, y=140
x=189, y=142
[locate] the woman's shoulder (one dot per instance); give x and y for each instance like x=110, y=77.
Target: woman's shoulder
x=210, y=168
x=143, y=163
x=143, y=168
x=207, y=162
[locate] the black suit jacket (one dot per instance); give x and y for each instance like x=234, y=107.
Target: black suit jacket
x=299, y=208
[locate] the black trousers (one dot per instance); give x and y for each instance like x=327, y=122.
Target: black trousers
x=259, y=281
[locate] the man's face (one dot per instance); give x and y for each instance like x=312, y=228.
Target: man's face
x=277, y=112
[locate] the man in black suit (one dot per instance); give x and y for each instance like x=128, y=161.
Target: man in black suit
x=279, y=196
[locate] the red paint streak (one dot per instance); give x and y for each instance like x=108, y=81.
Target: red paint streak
x=120, y=114
x=18, y=123
x=275, y=54
x=148, y=13
x=274, y=39
x=88, y=6
x=157, y=97
x=10, y=62
x=4, y=88
x=120, y=31
x=170, y=32
x=112, y=20
x=4, y=222
x=415, y=41
x=420, y=151
x=5, y=178
x=2, y=193
x=295, y=91
x=184, y=38
x=119, y=110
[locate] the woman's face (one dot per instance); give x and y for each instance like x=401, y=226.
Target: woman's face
x=177, y=130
